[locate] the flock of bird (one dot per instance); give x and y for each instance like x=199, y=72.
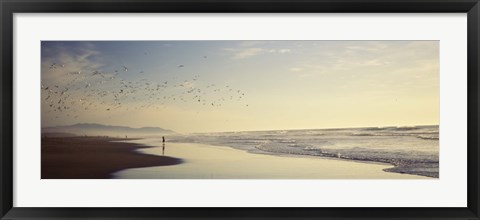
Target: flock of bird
x=96, y=90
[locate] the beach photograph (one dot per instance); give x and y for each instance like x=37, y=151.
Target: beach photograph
x=235, y=109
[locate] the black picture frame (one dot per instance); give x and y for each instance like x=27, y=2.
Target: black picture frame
x=9, y=7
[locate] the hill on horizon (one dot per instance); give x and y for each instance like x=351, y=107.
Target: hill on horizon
x=105, y=130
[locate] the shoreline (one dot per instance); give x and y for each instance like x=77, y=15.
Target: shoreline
x=214, y=162
x=94, y=157
x=262, y=152
x=393, y=168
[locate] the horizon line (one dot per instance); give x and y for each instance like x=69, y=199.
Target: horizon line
x=288, y=129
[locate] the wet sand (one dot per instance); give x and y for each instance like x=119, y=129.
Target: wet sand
x=93, y=157
x=219, y=162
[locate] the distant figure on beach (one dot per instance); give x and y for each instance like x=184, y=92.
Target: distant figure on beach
x=126, y=137
x=163, y=146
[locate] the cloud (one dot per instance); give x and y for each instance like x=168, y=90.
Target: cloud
x=68, y=60
x=296, y=69
x=252, y=43
x=242, y=53
x=375, y=62
x=279, y=51
x=188, y=84
x=249, y=52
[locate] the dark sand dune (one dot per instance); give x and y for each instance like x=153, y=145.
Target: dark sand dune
x=93, y=157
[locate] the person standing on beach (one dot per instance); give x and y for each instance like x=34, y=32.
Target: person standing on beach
x=163, y=145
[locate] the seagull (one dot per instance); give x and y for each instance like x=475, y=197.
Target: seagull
x=53, y=66
x=125, y=69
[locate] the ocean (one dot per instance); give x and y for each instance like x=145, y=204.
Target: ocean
x=412, y=150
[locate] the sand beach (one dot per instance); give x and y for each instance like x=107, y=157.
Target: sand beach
x=93, y=157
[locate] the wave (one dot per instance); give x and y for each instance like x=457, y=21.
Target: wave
x=417, y=163
x=424, y=136
x=377, y=128
x=399, y=128
x=406, y=128
x=428, y=137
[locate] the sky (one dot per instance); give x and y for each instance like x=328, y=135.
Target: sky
x=214, y=86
